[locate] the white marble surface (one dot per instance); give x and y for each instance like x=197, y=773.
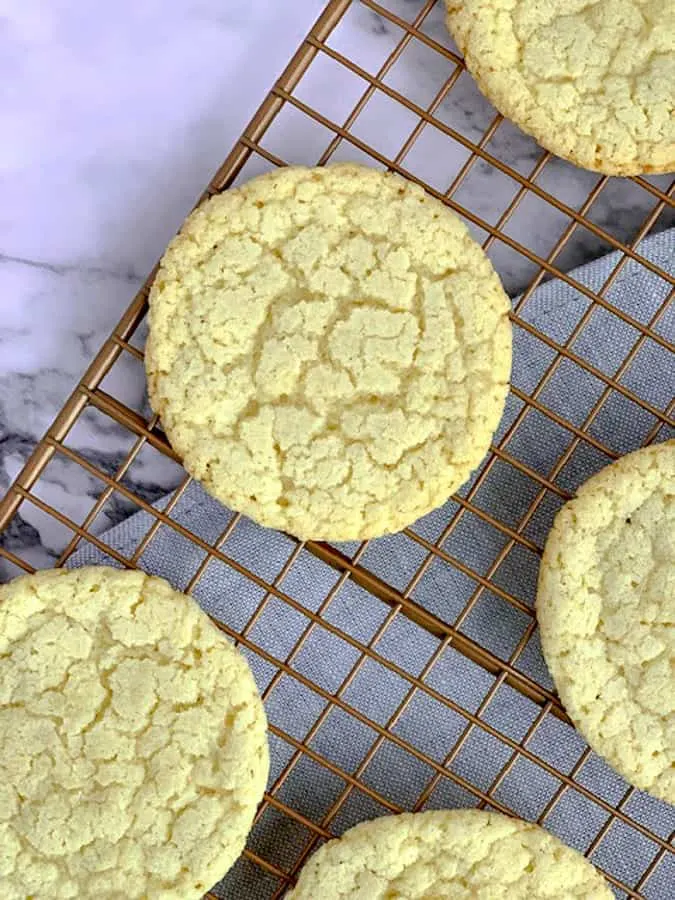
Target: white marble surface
x=113, y=118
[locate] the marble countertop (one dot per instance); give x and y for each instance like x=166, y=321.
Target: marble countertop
x=115, y=117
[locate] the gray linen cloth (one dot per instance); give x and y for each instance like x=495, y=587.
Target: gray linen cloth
x=426, y=724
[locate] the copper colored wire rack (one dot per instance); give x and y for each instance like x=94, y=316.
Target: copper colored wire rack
x=544, y=487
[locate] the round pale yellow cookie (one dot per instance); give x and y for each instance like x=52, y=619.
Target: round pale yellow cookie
x=448, y=854
x=329, y=350
x=606, y=609
x=591, y=80
x=133, y=748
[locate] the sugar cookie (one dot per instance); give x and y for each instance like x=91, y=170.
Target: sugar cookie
x=460, y=853
x=329, y=350
x=606, y=610
x=591, y=81
x=133, y=748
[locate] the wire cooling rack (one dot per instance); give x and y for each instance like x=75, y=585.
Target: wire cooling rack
x=321, y=108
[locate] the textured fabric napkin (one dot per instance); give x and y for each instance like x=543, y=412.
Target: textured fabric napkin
x=326, y=659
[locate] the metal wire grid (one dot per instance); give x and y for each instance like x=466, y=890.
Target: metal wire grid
x=351, y=569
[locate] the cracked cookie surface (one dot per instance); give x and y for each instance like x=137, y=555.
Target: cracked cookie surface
x=591, y=80
x=329, y=350
x=133, y=748
x=450, y=854
x=606, y=610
